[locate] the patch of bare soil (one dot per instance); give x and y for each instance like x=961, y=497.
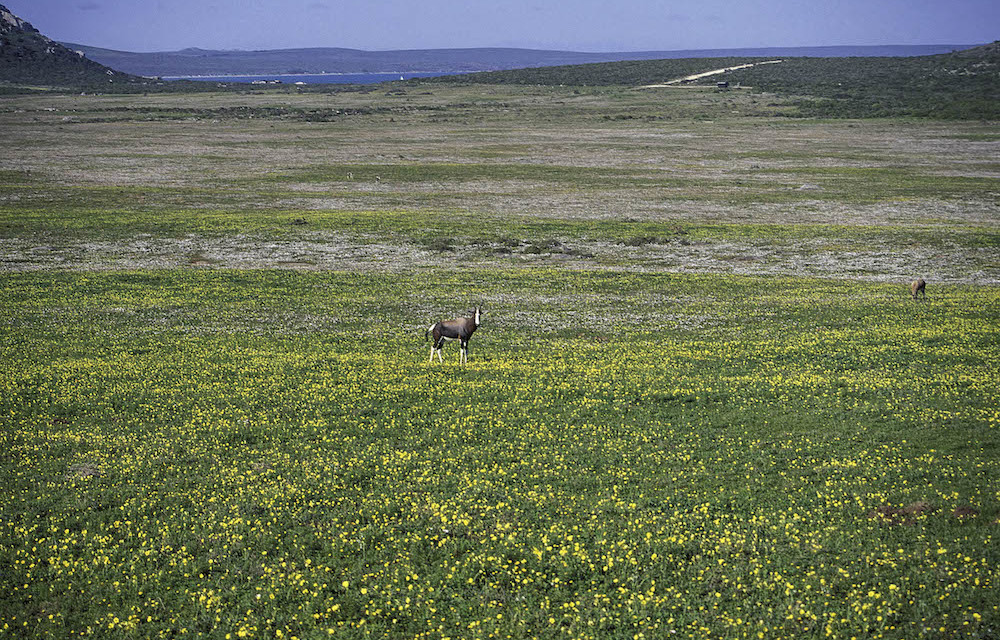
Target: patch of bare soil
x=963, y=512
x=83, y=470
x=889, y=515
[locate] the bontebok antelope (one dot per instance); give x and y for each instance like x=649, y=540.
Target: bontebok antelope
x=460, y=329
x=918, y=287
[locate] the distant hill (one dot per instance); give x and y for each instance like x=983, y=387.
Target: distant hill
x=204, y=62
x=962, y=84
x=29, y=58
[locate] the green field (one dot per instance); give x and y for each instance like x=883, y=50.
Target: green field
x=702, y=403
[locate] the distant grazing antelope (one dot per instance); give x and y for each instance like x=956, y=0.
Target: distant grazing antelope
x=917, y=287
x=460, y=329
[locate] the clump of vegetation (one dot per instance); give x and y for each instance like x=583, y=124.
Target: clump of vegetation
x=440, y=243
x=546, y=245
x=639, y=241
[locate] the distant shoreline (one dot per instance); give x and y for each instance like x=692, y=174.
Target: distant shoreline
x=375, y=77
x=328, y=73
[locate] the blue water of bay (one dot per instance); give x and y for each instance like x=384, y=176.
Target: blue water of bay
x=316, y=78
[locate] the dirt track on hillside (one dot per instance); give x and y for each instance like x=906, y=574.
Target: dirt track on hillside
x=705, y=74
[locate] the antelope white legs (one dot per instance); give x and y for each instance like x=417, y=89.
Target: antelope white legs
x=463, y=355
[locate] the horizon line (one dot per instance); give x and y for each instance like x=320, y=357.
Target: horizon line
x=513, y=48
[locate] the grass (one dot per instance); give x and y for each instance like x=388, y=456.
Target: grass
x=195, y=452
x=702, y=402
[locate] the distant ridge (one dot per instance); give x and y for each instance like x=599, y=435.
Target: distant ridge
x=205, y=62
x=29, y=58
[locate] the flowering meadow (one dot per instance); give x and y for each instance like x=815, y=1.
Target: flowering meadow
x=195, y=453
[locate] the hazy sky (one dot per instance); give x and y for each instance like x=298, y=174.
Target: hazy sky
x=578, y=25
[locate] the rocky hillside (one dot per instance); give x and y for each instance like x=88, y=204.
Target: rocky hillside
x=29, y=58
